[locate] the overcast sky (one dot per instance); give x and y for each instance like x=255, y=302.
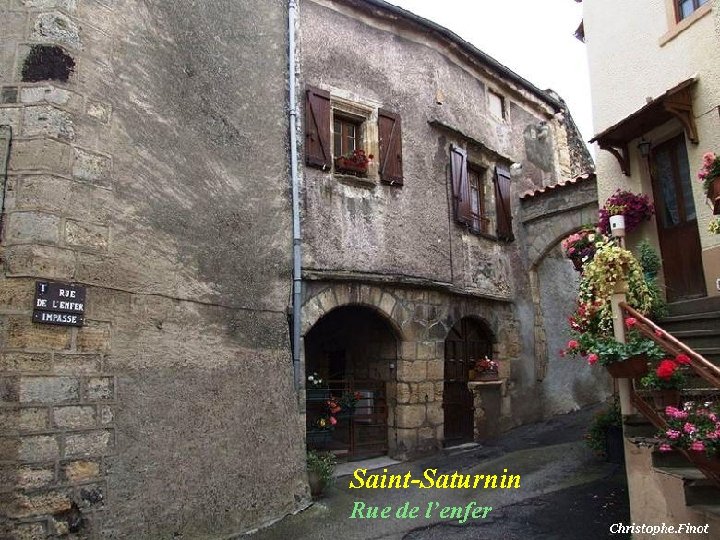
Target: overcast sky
x=534, y=38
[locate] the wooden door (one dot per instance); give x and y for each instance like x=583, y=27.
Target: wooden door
x=677, y=221
x=467, y=341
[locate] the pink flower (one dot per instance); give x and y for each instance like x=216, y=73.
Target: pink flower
x=630, y=322
x=672, y=434
x=332, y=420
x=671, y=411
x=689, y=428
x=592, y=358
x=572, y=344
x=683, y=359
x=664, y=447
x=659, y=333
x=697, y=446
x=708, y=158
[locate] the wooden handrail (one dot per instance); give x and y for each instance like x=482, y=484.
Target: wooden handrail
x=698, y=363
x=701, y=365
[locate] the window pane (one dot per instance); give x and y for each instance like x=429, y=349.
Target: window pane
x=686, y=8
x=669, y=212
x=337, y=138
x=350, y=137
x=684, y=168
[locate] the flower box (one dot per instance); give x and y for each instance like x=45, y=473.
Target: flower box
x=631, y=368
x=344, y=165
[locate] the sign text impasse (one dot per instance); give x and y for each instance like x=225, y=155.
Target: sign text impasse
x=59, y=303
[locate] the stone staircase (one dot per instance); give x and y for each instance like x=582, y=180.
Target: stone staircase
x=674, y=486
x=680, y=490
x=697, y=324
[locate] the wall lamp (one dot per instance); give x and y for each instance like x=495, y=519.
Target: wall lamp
x=644, y=147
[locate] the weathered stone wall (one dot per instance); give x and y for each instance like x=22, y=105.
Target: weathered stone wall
x=403, y=242
x=384, y=229
x=152, y=175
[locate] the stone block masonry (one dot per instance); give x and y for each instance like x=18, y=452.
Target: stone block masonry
x=143, y=188
x=57, y=404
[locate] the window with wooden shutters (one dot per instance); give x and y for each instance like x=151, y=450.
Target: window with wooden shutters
x=502, y=201
x=390, y=138
x=317, y=128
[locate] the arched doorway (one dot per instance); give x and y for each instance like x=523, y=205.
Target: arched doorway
x=467, y=341
x=353, y=351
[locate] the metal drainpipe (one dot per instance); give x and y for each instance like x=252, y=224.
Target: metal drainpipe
x=6, y=138
x=297, y=251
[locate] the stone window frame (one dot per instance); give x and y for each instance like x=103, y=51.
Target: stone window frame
x=365, y=112
x=503, y=104
x=676, y=25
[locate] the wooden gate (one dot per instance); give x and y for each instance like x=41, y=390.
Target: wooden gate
x=467, y=341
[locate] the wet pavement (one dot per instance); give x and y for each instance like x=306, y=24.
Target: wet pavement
x=565, y=492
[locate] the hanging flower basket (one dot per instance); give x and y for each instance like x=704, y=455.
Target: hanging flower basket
x=631, y=368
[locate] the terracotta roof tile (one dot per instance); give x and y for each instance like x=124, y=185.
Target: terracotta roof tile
x=547, y=189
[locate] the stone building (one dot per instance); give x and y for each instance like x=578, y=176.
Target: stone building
x=148, y=165
x=428, y=262
x=144, y=167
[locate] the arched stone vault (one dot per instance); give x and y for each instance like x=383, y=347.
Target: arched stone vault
x=421, y=320
x=548, y=216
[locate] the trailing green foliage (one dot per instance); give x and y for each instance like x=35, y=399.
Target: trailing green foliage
x=596, y=436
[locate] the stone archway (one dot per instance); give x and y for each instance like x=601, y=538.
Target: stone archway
x=353, y=350
x=549, y=215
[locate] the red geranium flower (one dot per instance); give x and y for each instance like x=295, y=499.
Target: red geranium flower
x=683, y=359
x=666, y=369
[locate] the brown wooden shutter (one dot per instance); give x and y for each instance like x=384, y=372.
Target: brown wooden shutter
x=460, y=186
x=502, y=202
x=390, y=134
x=317, y=128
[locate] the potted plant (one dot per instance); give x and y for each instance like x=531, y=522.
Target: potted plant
x=650, y=263
x=666, y=381
x=634, y=208
x=709, y=175
x=485, y=369
x=355, y=163
x=696, y=428
x=320, y=469
x=580, y=248
x=605, y=433
x=591, y=325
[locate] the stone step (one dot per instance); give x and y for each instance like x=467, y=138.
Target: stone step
x=698, y=305
x=698, y=321
x=699, y=490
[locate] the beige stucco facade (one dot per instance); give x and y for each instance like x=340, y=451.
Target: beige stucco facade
x=637, y=52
